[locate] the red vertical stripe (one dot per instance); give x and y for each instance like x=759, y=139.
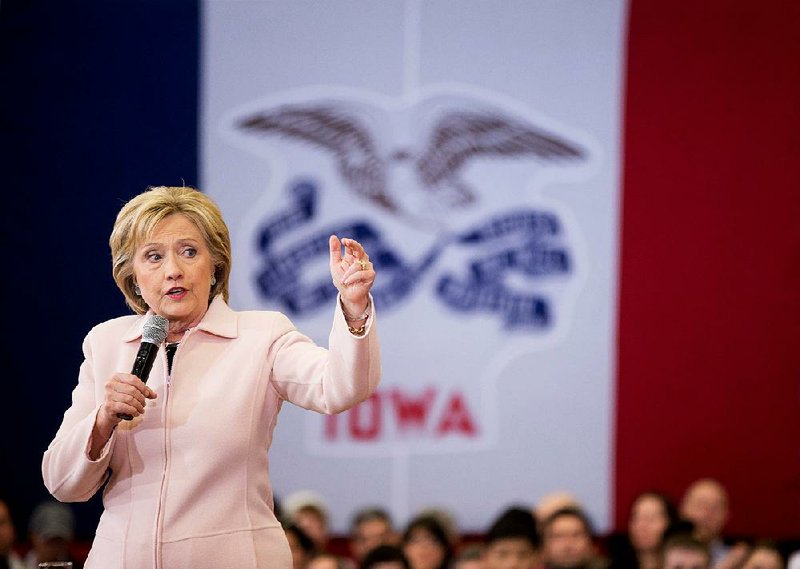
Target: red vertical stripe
x=709, y=326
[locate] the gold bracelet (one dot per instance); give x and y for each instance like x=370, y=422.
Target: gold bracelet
x=363, y=316
x=358, y=331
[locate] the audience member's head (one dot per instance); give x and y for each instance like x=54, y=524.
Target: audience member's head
x=328, y=561
x=426, y=543
x=705, y=504
x=794, y=560
x=471, y=557
x=651, y=515
x=370, y=528
x=512, y=541
x=763, y=555
x=51, y=529
x=300, y=544
x=685, y=552
x=552, y=502
x=308, y=511
x=7, y=533
x=567, y=539
x=385, y=557
x=446, y=520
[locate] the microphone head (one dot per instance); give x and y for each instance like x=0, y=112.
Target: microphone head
x=155, y=329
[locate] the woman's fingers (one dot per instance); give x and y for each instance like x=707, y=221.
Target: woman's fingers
x=352, y=273
x=127, y=405
x=354, y=259
x=353, y=248
x=335, y=248
x=126, y=394
x=357, y=273
x=132, y=385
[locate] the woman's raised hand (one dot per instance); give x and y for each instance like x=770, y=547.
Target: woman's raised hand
x=352, y=274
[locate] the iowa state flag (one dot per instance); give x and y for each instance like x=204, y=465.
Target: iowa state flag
x=582, y=215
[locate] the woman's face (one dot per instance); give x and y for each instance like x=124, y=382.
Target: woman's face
x=173, y=269
x=423, y=551
x=647, y=524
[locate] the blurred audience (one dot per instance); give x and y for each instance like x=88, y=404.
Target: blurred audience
x=705, y=504
x=370, y=528
x=651, y=515
x=329, y=561
x=307, y=510
x=794, y=561
x=426, y=543
x=385, y=557
x=471, y=557
x=551, y=503
x=51, y=530
x=557, y=534
x=763, y=555
x=446, y=520
x=684, y=551
x=300, y=544
x=567, y=541
x=8, y=557
x=512, y=541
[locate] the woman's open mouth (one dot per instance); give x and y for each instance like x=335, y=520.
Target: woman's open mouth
x=177, y=293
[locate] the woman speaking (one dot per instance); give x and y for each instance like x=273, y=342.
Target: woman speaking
x=184, y=455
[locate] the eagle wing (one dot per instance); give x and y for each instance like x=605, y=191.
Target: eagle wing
x=335, y=131
x=461, y=135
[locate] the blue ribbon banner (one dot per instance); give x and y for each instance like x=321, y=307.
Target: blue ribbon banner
x=526, y=245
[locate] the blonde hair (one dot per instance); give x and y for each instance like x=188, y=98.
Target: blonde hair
x=137, y=219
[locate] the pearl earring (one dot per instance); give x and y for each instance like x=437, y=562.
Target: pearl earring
x=137, y=290
x=213, y=280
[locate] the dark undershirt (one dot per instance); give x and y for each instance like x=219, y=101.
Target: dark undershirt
x=171, y=348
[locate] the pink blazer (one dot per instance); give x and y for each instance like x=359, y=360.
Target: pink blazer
x=188, y=481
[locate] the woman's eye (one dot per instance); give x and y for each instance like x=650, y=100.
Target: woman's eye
x=190, y=252
x=152, y=256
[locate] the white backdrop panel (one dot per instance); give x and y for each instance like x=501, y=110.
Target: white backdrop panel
x=473, y=147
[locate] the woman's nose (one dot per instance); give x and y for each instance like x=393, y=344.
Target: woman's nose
x=172, y=267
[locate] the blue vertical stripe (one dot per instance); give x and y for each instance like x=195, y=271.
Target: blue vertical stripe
x=98, y=100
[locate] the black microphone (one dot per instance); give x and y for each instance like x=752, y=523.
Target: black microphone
x=154, y=333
